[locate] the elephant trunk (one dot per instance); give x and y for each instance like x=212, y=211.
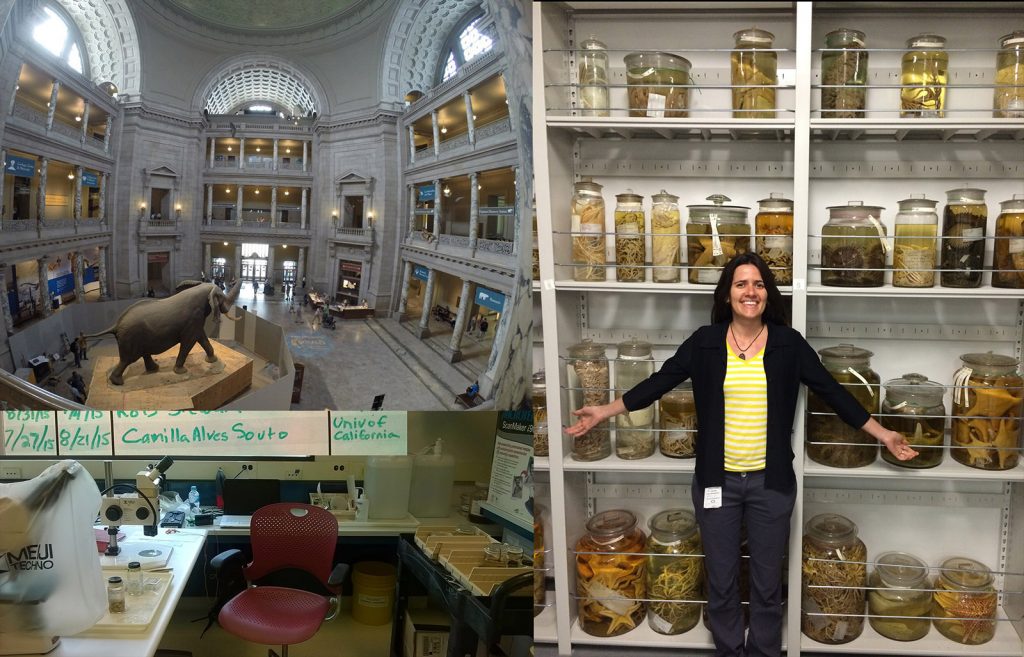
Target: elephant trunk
x=229, y=300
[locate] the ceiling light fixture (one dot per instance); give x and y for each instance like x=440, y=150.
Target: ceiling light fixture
x=78, y=119
x=227, y=189
x=287, y=150
x=229, y=149
x=257, y=149
x=225, y=243
x=257, y=192
x=71, y=176
x=474, y=117
x=444, y=130
x=286, y=192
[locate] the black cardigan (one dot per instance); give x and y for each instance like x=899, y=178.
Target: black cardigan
x=788, y=361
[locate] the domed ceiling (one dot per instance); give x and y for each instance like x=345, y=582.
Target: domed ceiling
x=266, y=15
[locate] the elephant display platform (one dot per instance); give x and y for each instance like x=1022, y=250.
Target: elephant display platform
x=204, y=385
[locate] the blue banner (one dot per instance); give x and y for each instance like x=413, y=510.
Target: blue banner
x=62, y=284
x=90, y=179
x=490, y=299
x=89, y=274
x=20, y=166
x=502, y=210
x=427, y=193
x=421, y=272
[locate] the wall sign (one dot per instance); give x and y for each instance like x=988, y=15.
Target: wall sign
x=20, y=166
x=421, y=272
x=490, y=299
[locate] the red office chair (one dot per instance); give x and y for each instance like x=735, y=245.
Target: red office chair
x=285, y=536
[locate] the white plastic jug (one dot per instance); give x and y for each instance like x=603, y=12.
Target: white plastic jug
x=387, y=483
x=432, y=477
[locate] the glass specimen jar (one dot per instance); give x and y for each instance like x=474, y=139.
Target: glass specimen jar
x=833, y=559
x=773, y=226
x=539, y=573
x=589, y=365
x=611, y=574
x=593, y=74
x=1009, y=92
x=850, y=366
x=853, y=246
x=657, y=85
x=675, y=572
x=913, y=406
x=536, y=251
x=677, y=421
x=115, y=595
x=539, y=404
x=915, y=243
x=754, y=67
x=1009, y=248
x=588, y=240
x=899, y=599
x=965, y=602
x=665, y=241
x=844, y=74
x=963, y=237
x=987, y=397
x=634, y=431
x=714, y=235
x=630, y=227
x=924, y=73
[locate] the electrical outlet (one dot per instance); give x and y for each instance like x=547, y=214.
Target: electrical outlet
x=294, y=473
x=10, y=472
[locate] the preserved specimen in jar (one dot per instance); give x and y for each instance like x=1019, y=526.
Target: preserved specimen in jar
x=657, y=84
x=677, y=419
x=913, y=406
x=590, y=365
x=588, y=241
x=844, y=74
x=610, y=574
x=634, y=436
x=675, y=572
x=773, y=226
x=1009, y=248
x=965, y=602
x=714, y=234
x=899, y=601
x=834, y=576
x=924, y=75
x=630, y=227
x=963, y=237
x=665, y=241
x=539, y=404
x=593, y=74
x=987, y=406
x=830, y=441
x=1009, y=91
x=853, y=246
x=914, y=247
x=754, y=69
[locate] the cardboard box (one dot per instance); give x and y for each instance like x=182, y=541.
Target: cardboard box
x=426, y=633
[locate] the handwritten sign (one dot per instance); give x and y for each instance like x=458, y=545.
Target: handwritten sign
x=84, y=433
x=220, y=433
x=29, y=433
x=360, y=433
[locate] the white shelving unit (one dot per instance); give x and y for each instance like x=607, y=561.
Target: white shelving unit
x=933, y=513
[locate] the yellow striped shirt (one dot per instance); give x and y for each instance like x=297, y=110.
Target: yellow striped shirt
x=746, y=413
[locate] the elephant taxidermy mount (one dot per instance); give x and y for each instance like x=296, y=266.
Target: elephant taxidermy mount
x=152, y=326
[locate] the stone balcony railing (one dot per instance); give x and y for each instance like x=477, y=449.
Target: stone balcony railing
x=159, y=226
x=66, y=132
x=18, y=231
x=458, y=146
x=354, y=235
x=459, y=245
x=258, y=167
x=255, y=227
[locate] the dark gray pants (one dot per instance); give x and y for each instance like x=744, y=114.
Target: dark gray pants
x=766, y=514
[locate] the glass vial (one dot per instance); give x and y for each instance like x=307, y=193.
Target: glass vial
x=630, y=227
x=665, y=241
x=115, y=595
x=923, y=76
x=844, y=75
x=914, y=248
x=1009, y=249
x=1009, y=92
x=593, y=74
x=773, y=227
x=754, y=75
x=133, y=580
x=634, y=435
x=963, y=237
x=588, y=240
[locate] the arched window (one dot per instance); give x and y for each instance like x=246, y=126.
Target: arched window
x=57, y=34
x=467, y=42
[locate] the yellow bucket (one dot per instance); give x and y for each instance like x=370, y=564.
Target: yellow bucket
x=373, y=592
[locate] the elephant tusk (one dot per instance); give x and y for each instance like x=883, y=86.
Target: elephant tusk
x=233, y=319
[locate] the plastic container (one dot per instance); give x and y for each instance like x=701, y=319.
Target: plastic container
x=630, y=228
x=899, y=600
x=987, y=409
x=773, y=227
x=657, y=85
x=665, y=240
x=373, y=592
x=963, y=237
x=924, y=74
x=714, y=234
x=915, y=246
x=593, y=74
x=754, y=69
x=433, y=475
x=634, y=435
x=834, y=576
x=588, y=232
x=853, y=246
x=1009, y=91
x=1008, y=262
x=388, y=480
x=193, y=501
x=913, y=406
x=850, y=366
x=844, y=75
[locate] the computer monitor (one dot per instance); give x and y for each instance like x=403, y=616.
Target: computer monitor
x=243, y=496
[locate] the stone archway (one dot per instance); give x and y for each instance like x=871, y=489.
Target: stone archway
x=111, y=42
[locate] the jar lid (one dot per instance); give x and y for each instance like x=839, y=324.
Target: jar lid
x=989, y=360
x=926, y=41
x=845, y=353
x=587, y=350
x=634, y=349
x=831, y=528
x=588, y=186
x=728, y=213
x=844, y=36
x=538, y=378
x=592, y=44
x=629, y=196
x=853, y=211
x=114, y=580
x=775, y=201
x=914, y=390
x=966, y=573
x=900, y=570
x=664, y=197
x=1016, y=203
x=1014, y=38
x=917, y=203
x=132, y=565
x=965, y=195
x=674, y=524
x=609, y=526
x=652, y=59
x=755, y=36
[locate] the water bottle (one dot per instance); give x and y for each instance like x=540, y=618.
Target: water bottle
x=193, y=501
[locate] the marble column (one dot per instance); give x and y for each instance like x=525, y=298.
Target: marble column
x=474, y=210
x=209, y=204
x=412, y=210
x=516, y=218
x=300, y=267
x=213, y=150
x=106, y=135
x=275, y=154
x=44, y=165
x=238, y=206
x=428, y=304
x=85, y=123
x=305, y=156
x=101, y=274
x=3, y=163
x=437, y=132
x=5, y=306
x=412, y=145
x=79, y=270
x=273, y=198
x=305, y=204
x=52, y=107
x=45, y=305
x=403, y=301
x=208, y=261
x=238, y=262
x=241, y=153
x=270, y=264
x=437, y=209
x=461, y=317
x=76, y=211
x=470, y=121
x=103, y=197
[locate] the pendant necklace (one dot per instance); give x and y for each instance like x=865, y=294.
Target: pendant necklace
x=742, y=354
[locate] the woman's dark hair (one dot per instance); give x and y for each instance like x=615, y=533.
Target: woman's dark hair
x=775, y=307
